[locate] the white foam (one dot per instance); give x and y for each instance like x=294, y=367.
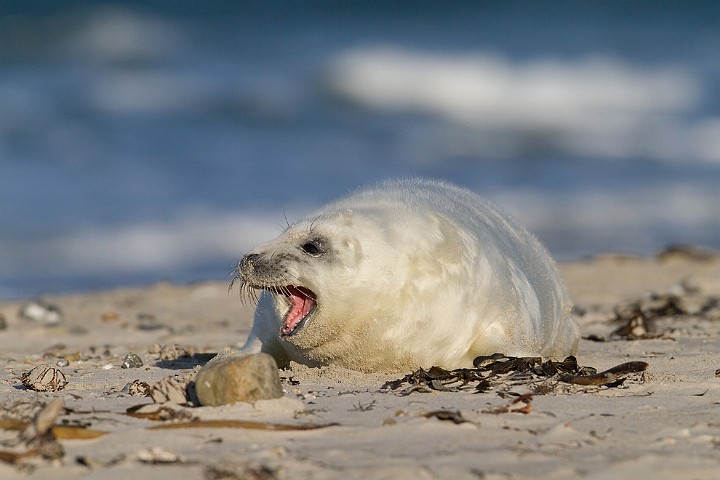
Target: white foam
x=637, y=220
x=150, y=92
x=593, y=106
x=118, y=33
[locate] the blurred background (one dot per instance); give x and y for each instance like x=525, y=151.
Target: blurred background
x=159, y=140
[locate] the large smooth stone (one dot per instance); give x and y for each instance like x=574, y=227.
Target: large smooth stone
x=234, y=379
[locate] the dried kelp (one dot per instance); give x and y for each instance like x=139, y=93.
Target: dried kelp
x=160, y=412
x=61, y=432
x=247, y=424
x=608, y=377
x=498, y=370
x=446, y=415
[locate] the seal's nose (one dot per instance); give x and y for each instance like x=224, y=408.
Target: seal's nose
x=247, y=264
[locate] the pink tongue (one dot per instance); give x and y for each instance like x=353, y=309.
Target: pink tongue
x=302, y=302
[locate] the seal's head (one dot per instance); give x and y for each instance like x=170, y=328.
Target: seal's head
x=319, y=279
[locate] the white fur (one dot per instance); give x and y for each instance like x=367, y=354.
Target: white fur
x=421, y=273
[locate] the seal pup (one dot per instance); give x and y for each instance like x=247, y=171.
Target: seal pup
x=406, y=274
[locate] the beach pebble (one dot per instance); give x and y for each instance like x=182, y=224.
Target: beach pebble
x=132, y=360
x=158, y=455
x=171, y=352
x=41, y=312
x=238, y=379
x=44, y=378
x=251, y=469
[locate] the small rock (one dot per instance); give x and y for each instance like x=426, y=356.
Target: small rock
x=158, y=455
x=238, y=379
x=62, y=362
x=171, y=352
x=44, y=378
x=132, y=360
x=138, y=388
x=252, y=469
x=41, y=312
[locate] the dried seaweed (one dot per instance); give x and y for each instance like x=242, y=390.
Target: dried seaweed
x=498, y=370
x=447, y=415
x=240, y=424
x=61, y=432
x=607, y=377
x=182, y=418
x=158, y=412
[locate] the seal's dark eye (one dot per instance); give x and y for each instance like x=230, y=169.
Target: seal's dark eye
x=312, y=248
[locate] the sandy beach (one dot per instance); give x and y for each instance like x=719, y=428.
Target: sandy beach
x=662, y=423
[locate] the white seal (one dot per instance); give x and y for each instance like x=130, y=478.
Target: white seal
x=408, y=274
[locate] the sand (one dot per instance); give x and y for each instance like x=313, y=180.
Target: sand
x=664, y=423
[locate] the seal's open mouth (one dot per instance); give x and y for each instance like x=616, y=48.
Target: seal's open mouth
x=302, y=305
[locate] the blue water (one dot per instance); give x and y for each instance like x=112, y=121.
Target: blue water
x=159, y=140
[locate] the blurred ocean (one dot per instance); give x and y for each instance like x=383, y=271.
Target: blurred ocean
x=159, y=140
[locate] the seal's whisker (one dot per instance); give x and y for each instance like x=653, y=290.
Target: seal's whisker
x=248, y=293
x=313, y=224
x=234, y=270
x=287, y=222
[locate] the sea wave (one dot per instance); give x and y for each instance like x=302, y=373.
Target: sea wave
x=594, y=106
x=116, y=33
x=634, y=221
x=188, y=239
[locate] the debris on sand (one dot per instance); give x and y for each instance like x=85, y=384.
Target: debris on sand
x=499, y=371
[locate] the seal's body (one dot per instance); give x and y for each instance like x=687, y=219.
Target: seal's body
x=407, y=274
